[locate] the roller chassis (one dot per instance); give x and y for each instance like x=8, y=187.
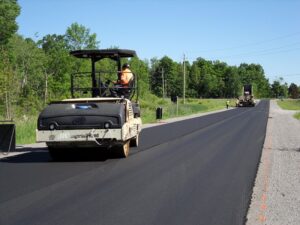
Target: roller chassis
x=93, y=137
x=126, y=134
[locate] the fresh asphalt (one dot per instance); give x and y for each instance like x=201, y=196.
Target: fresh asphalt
x=197, y=171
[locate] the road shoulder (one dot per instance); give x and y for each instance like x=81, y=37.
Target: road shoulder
x=276, y=193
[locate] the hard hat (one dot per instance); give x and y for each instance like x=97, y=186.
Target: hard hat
x=125, y=65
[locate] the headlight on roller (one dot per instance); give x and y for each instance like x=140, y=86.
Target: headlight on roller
x=107, y=125
x=52, y=126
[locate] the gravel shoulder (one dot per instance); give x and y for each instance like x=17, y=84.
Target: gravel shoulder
x=276, y=194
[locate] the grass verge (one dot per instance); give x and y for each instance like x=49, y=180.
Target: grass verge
x=297, y=116
x=289, y=104
x=25, y=130
x=170, y=109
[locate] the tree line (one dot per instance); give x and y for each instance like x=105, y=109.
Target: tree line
x=34, y=73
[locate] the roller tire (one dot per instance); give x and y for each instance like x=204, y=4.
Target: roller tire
x=134, y=142
x=122, y=150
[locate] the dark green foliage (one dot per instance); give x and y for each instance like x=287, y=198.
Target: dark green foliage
x=208, y=79
x=254, y=74
x=279, y=89
x=140, y=68
x=28, y=77
x=58, y=65
x=9, y=10
x=293, y=91
x=34, y=73
x=78, y=37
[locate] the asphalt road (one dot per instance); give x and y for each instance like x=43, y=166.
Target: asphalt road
x=197, y=171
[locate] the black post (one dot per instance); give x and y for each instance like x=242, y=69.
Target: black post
x=94, y=81
x=136, y=86
x=7, y=137
x=72, y=85
x=119, y=67
x=159, y=112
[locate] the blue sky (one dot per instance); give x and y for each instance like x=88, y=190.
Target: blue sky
x=266, y=32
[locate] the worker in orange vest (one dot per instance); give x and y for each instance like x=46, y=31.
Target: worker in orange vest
x=126, y=75
x=122, y=84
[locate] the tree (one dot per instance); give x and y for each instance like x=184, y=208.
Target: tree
x=29, y=64
x=78, y=37
x=173, y=79
x=58, y=67
x=279, y=89
x=9, y=10
x=194, y=81
x=220, y=74
x=276, y=88
x=254, y=74
x=6, y=81
x=232, y=82
x=140, y=69
x=293, y=91
x=208, y=81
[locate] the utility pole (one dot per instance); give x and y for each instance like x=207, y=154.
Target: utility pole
x=46, y=88
x=166, y=88
x=183, y=78
x=163, y=82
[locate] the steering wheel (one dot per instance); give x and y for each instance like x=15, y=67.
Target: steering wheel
x=104, y=88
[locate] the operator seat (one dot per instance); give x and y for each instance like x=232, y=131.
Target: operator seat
x=128, y=90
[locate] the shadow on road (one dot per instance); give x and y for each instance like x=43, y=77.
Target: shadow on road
x=41, y=155
x=28, y=157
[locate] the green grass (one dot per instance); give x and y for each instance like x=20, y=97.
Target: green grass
x=192, y=106
x=25, y=130
x=289, y=104
x=297, y=115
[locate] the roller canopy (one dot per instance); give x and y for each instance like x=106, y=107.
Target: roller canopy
x=98, y=54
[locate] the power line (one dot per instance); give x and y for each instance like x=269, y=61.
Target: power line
x=248, y=45
x=291, y=75
x=260, y=53
x=275, y=48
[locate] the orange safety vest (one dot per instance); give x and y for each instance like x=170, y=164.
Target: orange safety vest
x=126, y=76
